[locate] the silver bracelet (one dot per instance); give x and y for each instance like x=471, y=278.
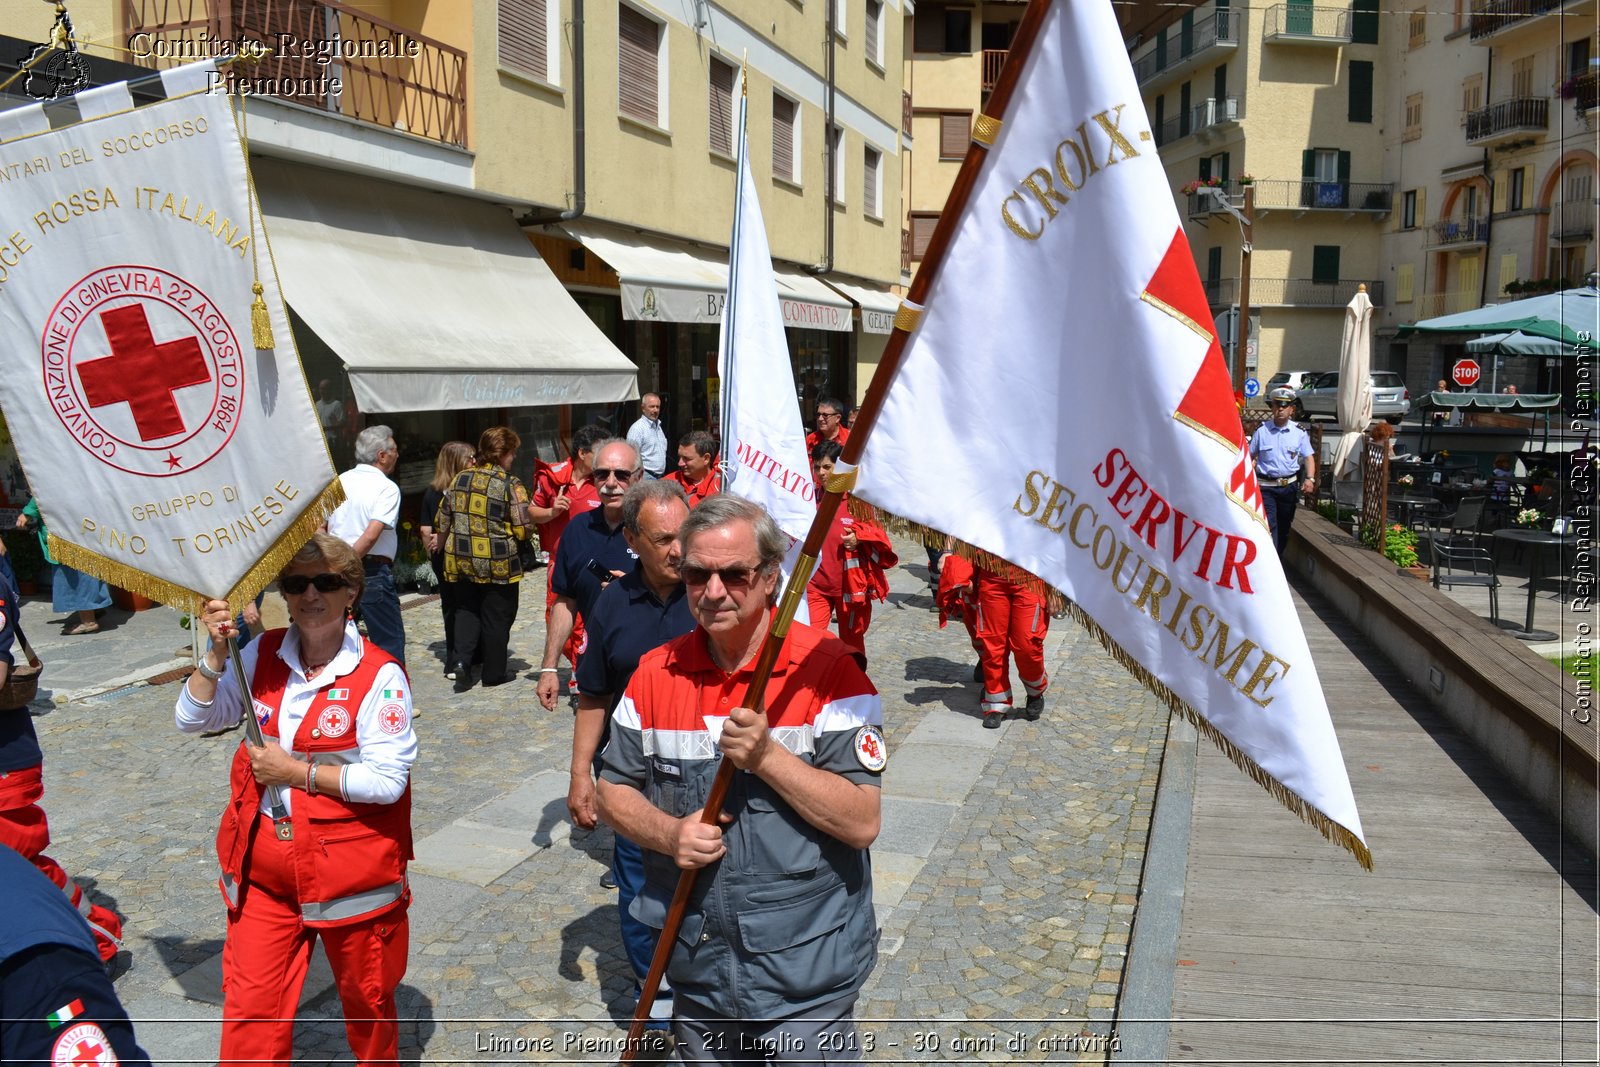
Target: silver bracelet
x=549, y=670
x=205, y=668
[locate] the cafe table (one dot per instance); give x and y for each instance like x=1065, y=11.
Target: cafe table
x=1540, y=542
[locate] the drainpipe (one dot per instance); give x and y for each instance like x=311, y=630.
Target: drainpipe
x=1488, y=209
x=579, y=169
x=827, y=139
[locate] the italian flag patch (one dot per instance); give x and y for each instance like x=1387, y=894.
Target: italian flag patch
x=394, y=694
x=338, y=694
x=65, y=1015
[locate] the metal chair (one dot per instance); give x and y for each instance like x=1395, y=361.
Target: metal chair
x=1457, y=562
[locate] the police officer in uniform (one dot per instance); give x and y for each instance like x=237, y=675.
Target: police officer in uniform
x=1278, y=448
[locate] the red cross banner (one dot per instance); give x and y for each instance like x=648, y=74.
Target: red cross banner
x=169, y=454
x=1062, y=406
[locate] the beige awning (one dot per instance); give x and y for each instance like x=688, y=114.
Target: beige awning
x=668, y=281
x=433, y=301
x=878, y=306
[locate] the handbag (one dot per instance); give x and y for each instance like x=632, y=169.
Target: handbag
x=22, y=681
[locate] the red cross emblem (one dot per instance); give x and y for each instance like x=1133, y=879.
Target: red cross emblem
x=84, y=1045
x=392, y=718
x=143, y=370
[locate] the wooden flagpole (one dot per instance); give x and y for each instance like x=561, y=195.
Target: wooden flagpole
x=984, y=132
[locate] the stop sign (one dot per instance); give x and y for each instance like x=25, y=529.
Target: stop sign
x=1466, y=372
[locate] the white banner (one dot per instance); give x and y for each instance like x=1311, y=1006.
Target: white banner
x=1067, y=378
x=665, y=303
x=167, y=453
x=763, y=439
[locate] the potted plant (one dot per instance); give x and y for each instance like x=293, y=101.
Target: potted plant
x=27, y=559
x=1400, y=547
x=1529, y=518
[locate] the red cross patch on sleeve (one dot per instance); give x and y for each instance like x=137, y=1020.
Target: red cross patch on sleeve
x=392, y=718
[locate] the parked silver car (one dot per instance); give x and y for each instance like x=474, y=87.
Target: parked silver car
x=1390, y=398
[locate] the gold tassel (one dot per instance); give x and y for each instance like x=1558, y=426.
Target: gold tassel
x=260, y=320
x=188, y=600
x=996, y=565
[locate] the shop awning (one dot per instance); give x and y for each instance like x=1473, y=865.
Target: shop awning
x=668, y=281
x=878, y=306
x=433, y=301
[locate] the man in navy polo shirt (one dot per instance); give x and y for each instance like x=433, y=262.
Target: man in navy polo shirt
x=591, y=545
x=642, y=610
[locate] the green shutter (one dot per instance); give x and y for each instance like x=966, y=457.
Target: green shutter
x=1213, y=264
x=1364, y=24
x=1225, y=174
x=1360, y=90
x=1219, y=86
x=1205, y=167
x=1308, y=164
x=1325, y=263
x=1344, y=167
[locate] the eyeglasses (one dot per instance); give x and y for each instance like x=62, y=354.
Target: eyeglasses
x=733, y=578
x=326, y=582
x=604, y=473
x=827, y=415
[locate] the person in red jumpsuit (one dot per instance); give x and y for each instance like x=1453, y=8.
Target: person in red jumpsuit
x=1012, y=621
x=697, y=466
x=831, y=415
x=23, y=825
x=335, y=715
x=852, y=566
x=562, y=493
x=957, y=599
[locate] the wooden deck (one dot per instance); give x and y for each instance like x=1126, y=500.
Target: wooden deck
x=1474, y=940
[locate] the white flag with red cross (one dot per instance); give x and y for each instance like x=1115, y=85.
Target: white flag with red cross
x=167, y=453
x=1063, y=405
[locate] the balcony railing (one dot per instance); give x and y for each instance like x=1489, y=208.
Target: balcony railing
x=1527, y=113
x=1295, y=23
x=1215, y=112
x=1177, y=46
x=1291, y=292
x=350, y=63
x=1303, y=195
x=994, y=61
x=1461, y=230
x=1494, y=15
x=905, y=251
x=1573, y=218
x=905, y=113
x=1583, y=90
x=1430, y=305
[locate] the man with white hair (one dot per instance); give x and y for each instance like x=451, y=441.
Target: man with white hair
x=366, y=521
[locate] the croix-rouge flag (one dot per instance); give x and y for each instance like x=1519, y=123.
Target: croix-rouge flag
x=763, y=439
x=1063, y=406
x=168, y=454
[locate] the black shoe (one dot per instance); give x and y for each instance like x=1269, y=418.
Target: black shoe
x=607, y=881
x=449, y=673
x=1034, y=708
x=463, y=677
x=977, y=672
x=993, y=719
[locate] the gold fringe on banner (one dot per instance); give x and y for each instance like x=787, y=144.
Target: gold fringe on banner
x=188, y=600
x=997, y=565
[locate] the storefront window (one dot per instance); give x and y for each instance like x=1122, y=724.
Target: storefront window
x=820, y=359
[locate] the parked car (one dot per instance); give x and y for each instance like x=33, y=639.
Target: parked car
x=1390, y=398
x=1294, y=379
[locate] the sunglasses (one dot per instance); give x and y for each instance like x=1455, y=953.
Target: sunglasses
x=733, y=578
x=326, y=582
x=602, y=474
x=827, y=415
x=1281, y=404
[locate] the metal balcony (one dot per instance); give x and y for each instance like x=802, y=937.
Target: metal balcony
x=1176, y=51
x=1376, y=198
x=1298, y=24
x=380, y=72
x=994, y=61
x=1527, y=114
x=1291, y=292
x=1430, y=305
x=1462, y=230
x=1496, y=15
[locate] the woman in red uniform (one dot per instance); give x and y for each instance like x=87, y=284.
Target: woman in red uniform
x=852, y=567
x=335, y=712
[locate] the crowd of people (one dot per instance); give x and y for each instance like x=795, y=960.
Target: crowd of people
x=661, y=586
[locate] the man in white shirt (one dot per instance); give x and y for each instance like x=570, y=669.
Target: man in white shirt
x=366, y=521
x=649, y=438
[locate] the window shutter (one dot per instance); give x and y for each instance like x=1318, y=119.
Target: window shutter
x=1502, y=186
x=1308, y=163
x=1161, y=114
x=636, y=66
x=1508, y=269
x=1184, y=116
x=1225, y=162
x=921, y=233
x=955, y=133
x=1219, y=85
x=1405, y=283
x=783, y=138
x=1360, y=91
x=869, y=183
x=720, y=107
x=1344, y=167
x=1213, y=264
x=1422, y=207
x=874, y=15
x=1324, y=264
x=523, y=45
x=1205, y=167
x=1364, y=23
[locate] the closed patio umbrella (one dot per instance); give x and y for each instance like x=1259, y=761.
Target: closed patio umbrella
x=1355, y=383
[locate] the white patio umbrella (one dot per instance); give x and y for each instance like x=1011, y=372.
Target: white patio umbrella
x=1355, y=385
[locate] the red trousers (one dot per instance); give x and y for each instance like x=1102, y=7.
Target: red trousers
x=24, y=827
x=852, y=624
x=575, y=643
x=1012, y=622
x=267, y=954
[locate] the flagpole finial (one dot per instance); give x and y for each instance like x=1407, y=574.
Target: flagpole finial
x=1361, y=288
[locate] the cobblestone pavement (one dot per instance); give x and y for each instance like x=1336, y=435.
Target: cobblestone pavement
x=1006, y=873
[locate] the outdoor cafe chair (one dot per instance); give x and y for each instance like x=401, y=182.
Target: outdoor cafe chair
x=1460, y=530
x=1458, y=562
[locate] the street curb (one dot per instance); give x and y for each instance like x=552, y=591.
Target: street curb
x=1144, y=1008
